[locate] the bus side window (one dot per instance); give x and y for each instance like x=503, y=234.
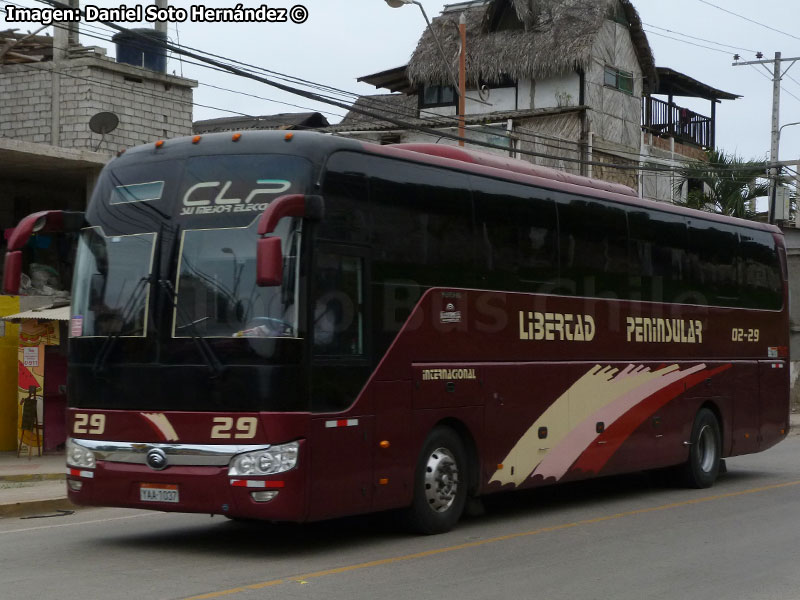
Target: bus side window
x=713, y=263
x=658, y=253
x=517, y=233
x=346, y=203
x=338, y=319
x=759, y=271
x=594, y=248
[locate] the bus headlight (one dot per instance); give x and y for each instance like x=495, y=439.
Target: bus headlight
x=275, y=459
x=78, y=456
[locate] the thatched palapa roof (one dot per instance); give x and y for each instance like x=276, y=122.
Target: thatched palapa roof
x=547, y=38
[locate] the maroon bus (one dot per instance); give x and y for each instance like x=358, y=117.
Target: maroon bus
x=295, y=327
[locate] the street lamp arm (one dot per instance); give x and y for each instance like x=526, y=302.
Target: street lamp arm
x=787, y=125
x=394, y=4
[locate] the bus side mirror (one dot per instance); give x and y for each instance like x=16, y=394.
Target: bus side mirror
x=48, y=221
x=269, y=262
x=12, y=271
x=269, y=256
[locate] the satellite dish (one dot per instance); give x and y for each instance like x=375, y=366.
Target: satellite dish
x=103, y=123
x=484, y=92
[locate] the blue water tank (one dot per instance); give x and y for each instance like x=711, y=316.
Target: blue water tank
x=143, y=50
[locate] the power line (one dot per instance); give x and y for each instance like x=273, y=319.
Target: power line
x=435, y=119
x=231, y=68
x=730, y=12
x=284, y=77
x=770, y=80
x=688, y=42
x=698, y=38
x=156, y=94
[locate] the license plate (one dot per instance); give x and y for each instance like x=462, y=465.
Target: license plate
x=158, y=492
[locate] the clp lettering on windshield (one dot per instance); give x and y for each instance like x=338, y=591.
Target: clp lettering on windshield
x=198, y=201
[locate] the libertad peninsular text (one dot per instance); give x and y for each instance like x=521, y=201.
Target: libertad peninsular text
x=151, y=13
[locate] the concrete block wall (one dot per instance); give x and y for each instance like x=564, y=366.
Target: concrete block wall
x=150, y=105
x=25, y=110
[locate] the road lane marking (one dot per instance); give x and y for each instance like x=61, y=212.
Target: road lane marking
x=492, y=540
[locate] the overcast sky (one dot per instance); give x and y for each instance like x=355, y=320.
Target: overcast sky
x=344, y=39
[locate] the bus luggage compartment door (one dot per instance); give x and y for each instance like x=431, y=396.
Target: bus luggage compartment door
x=773, y=380
x=341, y=466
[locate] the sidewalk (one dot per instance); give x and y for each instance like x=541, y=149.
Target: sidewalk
x=32, y=486
x=36, y=486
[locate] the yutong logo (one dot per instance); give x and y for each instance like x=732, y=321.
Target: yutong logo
x=156, y=459
x=208, y=197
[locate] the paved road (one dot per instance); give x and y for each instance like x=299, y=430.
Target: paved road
x=622, y=538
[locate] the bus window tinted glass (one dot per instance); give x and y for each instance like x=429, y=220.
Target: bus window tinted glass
x=421, y=223
x=759, y=271
x=346, y=196
x=339, y=305
x=658, y=255
x=712, y=263
x=593, y=239
x=517, y=232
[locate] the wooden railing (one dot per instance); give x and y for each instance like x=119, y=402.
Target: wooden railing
x=663, y=118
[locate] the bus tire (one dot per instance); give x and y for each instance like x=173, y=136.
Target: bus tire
x=705, y=451
x=440, y=483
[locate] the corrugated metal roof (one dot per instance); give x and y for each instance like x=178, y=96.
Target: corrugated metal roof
x=42, y=314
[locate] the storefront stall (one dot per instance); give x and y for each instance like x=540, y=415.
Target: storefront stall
x=41, y=378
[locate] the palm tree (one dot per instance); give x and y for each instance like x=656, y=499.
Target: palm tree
x=724, y=184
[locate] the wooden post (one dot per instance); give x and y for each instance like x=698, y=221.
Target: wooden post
x=670, y=120
x=713, y=129
x=462, y=77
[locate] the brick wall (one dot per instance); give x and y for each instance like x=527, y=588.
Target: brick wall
x=149, y=105
x=25, y=106
x=683, y=150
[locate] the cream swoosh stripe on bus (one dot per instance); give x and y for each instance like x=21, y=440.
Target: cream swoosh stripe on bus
x=161, y=424
x=601, y=394
x=558, y=462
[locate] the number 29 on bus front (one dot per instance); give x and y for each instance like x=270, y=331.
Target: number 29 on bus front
x=223, y=428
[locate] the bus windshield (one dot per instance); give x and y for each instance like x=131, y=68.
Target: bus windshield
x=217, y=295
x=111, y=285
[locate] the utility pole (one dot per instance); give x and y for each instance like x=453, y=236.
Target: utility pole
x=161, y=26
x=777, y=75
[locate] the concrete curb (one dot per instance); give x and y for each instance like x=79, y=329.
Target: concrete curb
x=28, y=477
x=35, y=507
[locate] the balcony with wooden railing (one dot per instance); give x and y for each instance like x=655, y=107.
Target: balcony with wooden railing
x=670, y=120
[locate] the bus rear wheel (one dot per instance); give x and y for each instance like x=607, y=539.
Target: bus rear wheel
x=705, y=451
x=440, y=483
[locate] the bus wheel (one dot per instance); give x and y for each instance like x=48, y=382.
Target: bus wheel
x=705, y=451
x=440, y=483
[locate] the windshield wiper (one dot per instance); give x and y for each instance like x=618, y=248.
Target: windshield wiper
x=192, y=324
x=214, y=365
x=127, y=311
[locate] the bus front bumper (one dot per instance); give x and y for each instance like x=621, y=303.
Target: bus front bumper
x=119, y=478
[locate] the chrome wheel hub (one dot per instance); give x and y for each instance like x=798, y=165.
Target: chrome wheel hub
x=706, y=449
x=441, y=479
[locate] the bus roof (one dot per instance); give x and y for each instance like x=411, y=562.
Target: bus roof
x=318, y=146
